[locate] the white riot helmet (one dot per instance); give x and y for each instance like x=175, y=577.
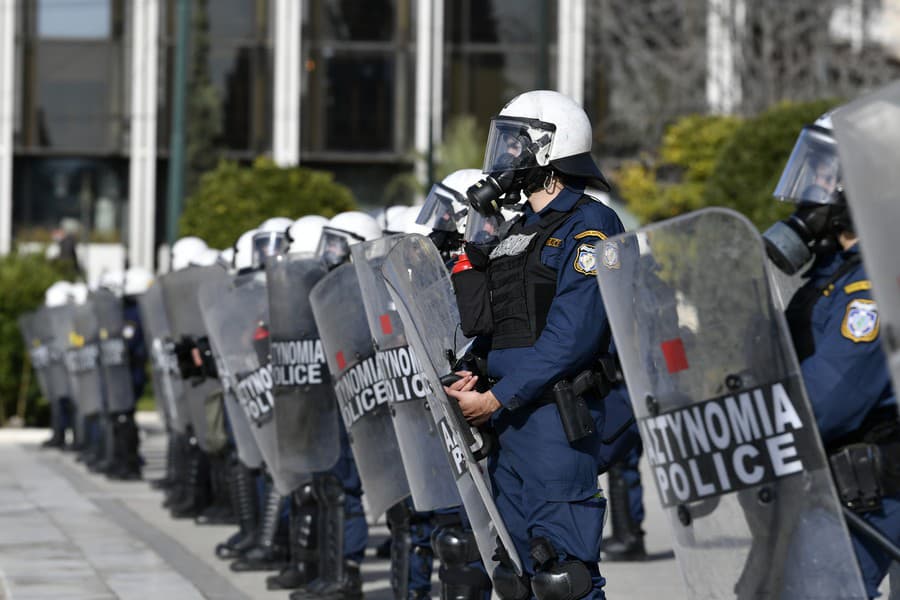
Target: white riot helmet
x=304, y=233
x=343, y=231
x=445, y=207
x=393, y=218
x=243, y=251
x=408, y=222
x=207, y=258
x=137, y=281
x=58, y=294
x=270, y=239
x=537, y=133
x=226, y=258
x=112, y=280
x=79, y=292
x=184, y=249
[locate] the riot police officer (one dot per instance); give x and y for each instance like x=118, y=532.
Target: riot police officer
x=835, y=326
x=546, y=324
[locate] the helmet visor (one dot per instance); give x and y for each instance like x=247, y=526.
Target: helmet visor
x=515, y=143
x=438, y=213
x=813, y=172
x=266, y=244
x=334, y=247
x=482, y=229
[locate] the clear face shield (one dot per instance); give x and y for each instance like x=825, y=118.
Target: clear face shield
x=437, y=213
x=266, y=244
x=515, y=144
x=481, y=229
x=334, y=246
x=812, y=173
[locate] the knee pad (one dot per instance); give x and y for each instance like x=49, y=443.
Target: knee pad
x=510, y=586
x=328, y=490
x=454, y=546
x=553, y=580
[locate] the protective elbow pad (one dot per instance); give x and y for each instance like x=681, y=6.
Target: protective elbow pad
x=510, y=586
x=567, y=581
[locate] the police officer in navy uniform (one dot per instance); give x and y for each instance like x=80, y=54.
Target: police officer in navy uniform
x=546, y=322
x=835, y=326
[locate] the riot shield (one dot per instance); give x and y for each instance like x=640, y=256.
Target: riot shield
x=233, y=320
x=182, y=306
x=431, y=481
x=113, y=352
x=238, y=323
x=360, y=386
x=723, y=413
x=306, y=410
x=423, y=295
x=83, y=359
x=51, y=323
x=38, y=351
x=868, y=135
x=158, y=338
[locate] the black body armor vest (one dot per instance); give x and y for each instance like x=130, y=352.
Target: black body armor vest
x=521, y=287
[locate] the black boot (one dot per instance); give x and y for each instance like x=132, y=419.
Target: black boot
x=126, y=460
x=303, y=566
x=196, y=487
x=220, y=512
x=266, y=555
x=242, y=488
x=177, y=491
x=627, y=540
x=168, y=479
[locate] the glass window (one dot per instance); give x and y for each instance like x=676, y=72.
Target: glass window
x=82, y=19
x=353, y=20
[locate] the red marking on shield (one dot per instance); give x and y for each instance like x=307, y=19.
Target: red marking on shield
x=340, y=360
x=673, y=351
x=386, y=326
x=260, y=333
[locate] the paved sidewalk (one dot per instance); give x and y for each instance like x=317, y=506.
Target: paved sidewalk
x=66, y=533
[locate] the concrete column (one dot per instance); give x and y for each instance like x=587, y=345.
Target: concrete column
x=7, y=125
x=570, y=48
x=286, y=113
x=724, y=20
x=422, y=129
x=142, y=167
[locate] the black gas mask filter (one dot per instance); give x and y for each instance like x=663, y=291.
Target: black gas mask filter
x=513, y=176
x=813, y=229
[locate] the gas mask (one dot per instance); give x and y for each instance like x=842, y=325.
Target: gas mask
x=813, y=229
x=516, y=161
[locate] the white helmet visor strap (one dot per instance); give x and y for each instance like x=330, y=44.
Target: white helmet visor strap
x=437, y=212
x=812, y=173
x=516, y=143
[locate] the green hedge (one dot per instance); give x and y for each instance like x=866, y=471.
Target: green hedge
x=718, y=161
x=232, y=198
x=23, y=279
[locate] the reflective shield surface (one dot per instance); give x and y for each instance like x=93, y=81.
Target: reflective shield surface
x=167, y=384
x=723, y=413
x=362, y=389
x=431, y=482
x=113, y=351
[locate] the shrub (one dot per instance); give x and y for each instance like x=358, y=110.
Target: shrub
x=232, y=198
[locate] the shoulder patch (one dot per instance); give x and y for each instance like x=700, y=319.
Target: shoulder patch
x=858, y=286
x=609, y=255
x=591, y=233
x=860, y=321
x=554, y=242
x=585, y=261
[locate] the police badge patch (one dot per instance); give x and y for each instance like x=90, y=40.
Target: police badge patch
x=585, y=262
x=610, y=255
x=860, y=321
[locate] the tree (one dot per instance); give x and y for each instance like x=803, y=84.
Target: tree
x=231, y=199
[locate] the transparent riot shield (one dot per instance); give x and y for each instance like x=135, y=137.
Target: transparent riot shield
x=423, y=295
x=83, y=359
x=209, y=295
x=50, y=325
x=182, y=306
x=38, y=351
x=431, y=482
x=306, y=410
x=238, y=323
x=723, y=413
x=361, y=387
x=158, y=338
x=113, y=352
x=868, y=135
